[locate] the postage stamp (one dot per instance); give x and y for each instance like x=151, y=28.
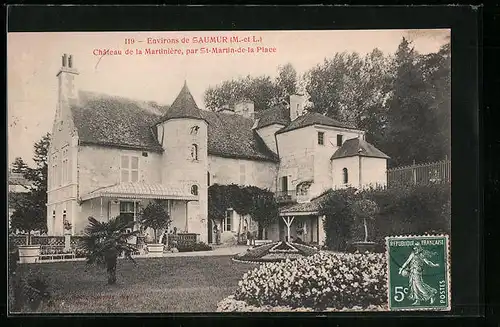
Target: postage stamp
x=418, y=273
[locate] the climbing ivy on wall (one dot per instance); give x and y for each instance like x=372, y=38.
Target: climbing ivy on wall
x=244, y=200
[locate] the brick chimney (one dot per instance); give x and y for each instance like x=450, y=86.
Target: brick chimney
x=67, y=88
x=297, y=102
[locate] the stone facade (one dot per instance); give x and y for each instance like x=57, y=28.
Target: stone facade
x=304, y=155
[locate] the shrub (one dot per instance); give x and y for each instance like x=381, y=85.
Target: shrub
x=414, y=209
x=27, y=293
x=190, y=247
x=339, y=220
x=320, y=281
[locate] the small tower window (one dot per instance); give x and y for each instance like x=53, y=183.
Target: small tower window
x=194, y=152
x=339, y=140
x=208, y=178
x=321, y=138
x=194, y=190
x=194, y=130
x=345, y=176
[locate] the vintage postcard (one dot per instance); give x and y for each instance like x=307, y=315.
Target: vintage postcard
x=219, y=171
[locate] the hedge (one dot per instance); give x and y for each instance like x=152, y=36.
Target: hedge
x=421, y=209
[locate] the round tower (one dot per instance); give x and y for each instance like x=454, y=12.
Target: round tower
x=183, y=132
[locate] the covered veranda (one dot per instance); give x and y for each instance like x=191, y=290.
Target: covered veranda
x=127, y=199
x=303, y=221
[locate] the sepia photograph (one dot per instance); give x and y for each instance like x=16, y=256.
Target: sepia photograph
x=229, y=171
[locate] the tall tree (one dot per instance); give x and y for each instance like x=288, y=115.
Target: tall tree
x=19, y=166
x=352, y=89
x=264, y=91
x=414, y=130
x=334, y=86
x=286, y=82
x=31, y=213
x=376, y=89
x=437, y=74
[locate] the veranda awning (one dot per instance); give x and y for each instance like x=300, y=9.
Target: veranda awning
x=141, y=191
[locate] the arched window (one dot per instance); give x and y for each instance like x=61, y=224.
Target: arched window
x=194, y=189
x=194, y=152
x=345, y=176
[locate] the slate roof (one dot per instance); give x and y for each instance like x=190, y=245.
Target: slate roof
x=358, y=147
x=120, y=122
x=313, y=118
x=231, y=135
x=279, y=114
x=312, y=206
x=183, y=106
x=115, y=121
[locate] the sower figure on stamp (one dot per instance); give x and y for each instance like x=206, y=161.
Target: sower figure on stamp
x=419, y=290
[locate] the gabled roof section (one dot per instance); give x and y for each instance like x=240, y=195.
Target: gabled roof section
x=231, y=135
x=119, y=122
x=278, y=114
x=358, y=147
x=311, y=207
x=115, y=121
x=313, y=118
x=183, y=106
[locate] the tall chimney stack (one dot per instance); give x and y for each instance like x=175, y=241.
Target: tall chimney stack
x=297, y=102
x=68, y=91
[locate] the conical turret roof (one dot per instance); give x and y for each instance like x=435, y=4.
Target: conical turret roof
x=183, y=106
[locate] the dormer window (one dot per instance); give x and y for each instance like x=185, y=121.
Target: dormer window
x=303, y=188
x=194, y=130
x=194, y=152
x=321, y=138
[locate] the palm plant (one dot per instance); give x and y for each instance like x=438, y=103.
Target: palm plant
x=104, y=242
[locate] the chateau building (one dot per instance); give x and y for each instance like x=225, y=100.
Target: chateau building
x=108, y=155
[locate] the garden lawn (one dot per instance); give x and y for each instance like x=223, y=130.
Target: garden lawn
x=172, y=284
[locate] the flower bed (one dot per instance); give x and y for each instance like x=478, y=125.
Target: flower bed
x=230, y=304
x=275, y=252
x=336, y=281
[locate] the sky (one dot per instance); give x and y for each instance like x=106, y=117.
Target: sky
x=34, y=59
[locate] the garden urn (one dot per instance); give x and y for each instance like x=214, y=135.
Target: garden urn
x=29, y=253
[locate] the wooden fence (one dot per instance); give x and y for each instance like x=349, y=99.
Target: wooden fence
x=420, y=174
